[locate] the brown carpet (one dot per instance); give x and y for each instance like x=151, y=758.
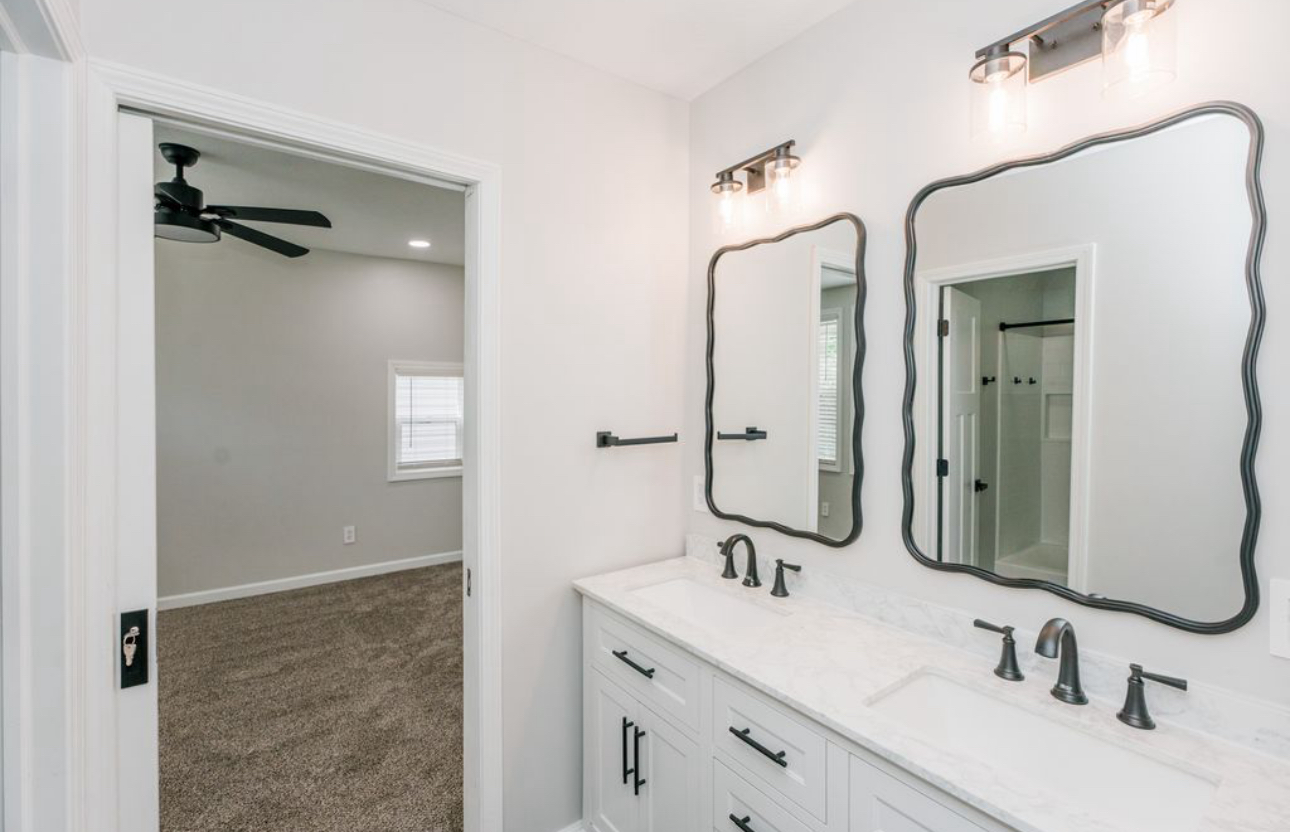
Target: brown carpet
x=324, y=709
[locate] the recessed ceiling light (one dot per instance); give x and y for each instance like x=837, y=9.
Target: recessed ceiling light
x=419, y=243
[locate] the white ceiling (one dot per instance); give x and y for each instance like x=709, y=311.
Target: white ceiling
x=679, y=47
x=370, y=213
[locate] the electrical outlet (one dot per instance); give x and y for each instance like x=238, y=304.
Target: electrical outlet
x=1279, y=605
x=824, y=509
x=350, y=535
x=700, y=494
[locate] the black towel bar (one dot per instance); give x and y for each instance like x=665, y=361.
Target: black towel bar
x=606, y=439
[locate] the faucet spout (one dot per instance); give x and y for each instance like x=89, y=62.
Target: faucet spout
x=1057, y=638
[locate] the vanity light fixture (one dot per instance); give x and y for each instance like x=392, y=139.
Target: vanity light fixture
x=774, y=169
x=1135, y=38
x=419, y=243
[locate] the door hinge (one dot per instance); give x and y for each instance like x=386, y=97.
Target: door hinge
x=942, y=327
x=942, y=467
x=467, y=583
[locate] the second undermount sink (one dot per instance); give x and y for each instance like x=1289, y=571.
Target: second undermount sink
x=1072, y=770
x=708, y=607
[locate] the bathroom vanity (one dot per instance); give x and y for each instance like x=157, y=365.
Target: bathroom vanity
x=712, y=706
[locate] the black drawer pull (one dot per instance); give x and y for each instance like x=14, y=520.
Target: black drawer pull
x=770, y=755
x=647, y=672
x=637, y=781
x=742, y=823
x=626, y=771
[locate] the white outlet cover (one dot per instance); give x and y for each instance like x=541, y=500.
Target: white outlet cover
x=349, y=535
x=700, y=495
x=1279, y=607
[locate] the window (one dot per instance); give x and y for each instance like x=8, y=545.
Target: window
x=829, y=351
x=427, y=420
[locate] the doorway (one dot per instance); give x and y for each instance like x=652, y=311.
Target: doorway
x=310, y=426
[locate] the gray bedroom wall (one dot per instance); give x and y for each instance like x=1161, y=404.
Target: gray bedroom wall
x=271, y=412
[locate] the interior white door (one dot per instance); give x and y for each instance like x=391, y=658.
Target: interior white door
x=136, y=485
x=613, y=802
x=962, y=421
x=669, y=764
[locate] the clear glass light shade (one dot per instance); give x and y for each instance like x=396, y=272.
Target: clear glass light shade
x=998, y=85
x=729, y=209
x=1139, y=47
x=784, y=183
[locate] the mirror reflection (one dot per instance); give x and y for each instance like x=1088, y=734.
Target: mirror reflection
x=1079, y=339
x=783, y=402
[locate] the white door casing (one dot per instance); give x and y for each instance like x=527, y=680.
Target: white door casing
x=961, y=375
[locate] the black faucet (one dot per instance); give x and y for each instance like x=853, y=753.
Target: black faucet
x=1134, y=712
x=1007, y=668
x=1059, y=632
x=779, y=590
x=728, y=550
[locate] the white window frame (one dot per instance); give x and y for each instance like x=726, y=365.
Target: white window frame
x=838, y=314
x=424, y=368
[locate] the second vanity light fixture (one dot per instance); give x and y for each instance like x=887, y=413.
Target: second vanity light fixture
x=1136, y=39
x=773, y=169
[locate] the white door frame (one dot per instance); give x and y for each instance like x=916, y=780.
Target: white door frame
x=80, y=771
x=926, y=286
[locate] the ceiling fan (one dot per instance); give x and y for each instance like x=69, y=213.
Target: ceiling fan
x=180, y=214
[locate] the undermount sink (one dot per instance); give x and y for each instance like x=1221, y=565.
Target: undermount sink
x=707, y=607
x=1074, y=770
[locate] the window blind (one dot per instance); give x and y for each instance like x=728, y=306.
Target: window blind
x=429, y=414
x=829, y=348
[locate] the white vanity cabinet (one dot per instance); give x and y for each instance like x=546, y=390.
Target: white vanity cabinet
x=672, y=744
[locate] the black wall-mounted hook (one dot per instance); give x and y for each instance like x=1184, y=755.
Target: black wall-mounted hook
x=986, y=381
x=1016, y=379
x=1032, y=380
x=606, y=439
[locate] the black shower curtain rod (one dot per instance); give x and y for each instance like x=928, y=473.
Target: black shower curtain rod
x=1005, y=327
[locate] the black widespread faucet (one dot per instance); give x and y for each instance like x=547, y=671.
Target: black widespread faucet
x=728, y=551
x=1058, y=634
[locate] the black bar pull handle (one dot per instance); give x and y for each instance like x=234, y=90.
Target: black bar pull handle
x=637, y=780
x=627, y=723
x=742, y=823
x=607, y=439
x=776, y=757
x=750, y=434
x=621, y=655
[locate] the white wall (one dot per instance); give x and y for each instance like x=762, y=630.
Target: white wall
x=272, y=412
x=876, y=120
x=593, y=292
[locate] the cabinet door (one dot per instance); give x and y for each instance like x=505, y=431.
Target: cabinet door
x=612, y=719
x=881, y=803
x=669, y=762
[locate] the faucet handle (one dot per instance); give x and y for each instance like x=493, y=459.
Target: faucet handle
x=780, y=590
x=1008, y=668
x=1135, y=713
x=727, y=549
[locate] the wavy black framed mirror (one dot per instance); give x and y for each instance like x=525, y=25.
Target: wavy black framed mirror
x=784, y=405
x=1081, y=409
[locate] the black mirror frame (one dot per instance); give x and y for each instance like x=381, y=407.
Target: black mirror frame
x=857, y=520
x=1254, y=336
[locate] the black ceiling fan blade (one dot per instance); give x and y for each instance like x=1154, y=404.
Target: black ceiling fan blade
x=284, y=215
x=259, y=238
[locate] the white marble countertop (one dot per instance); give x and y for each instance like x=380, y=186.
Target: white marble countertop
x=829, y=664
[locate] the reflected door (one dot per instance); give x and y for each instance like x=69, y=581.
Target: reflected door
x=961, y=361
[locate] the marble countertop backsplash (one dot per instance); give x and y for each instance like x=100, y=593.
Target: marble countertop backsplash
x=844, y=643
x=1255, y=723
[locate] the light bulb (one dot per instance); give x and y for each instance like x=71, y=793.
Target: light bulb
x=727, y=190
x=1138, y=47
x=999, y=95
x=783, y=181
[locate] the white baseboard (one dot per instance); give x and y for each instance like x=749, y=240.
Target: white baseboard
x=210, y=596
x=577, y=826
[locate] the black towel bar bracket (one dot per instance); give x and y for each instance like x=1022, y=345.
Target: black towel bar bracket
x=606, y=439
x=751, y=434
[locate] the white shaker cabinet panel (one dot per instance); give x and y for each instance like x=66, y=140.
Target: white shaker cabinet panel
x=881, y=803
x=610, y=803
x=672, y=775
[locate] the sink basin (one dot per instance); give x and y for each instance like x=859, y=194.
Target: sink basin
x=707, y=607
x=1075, y=771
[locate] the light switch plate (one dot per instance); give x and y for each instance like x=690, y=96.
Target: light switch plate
x=1279, y=607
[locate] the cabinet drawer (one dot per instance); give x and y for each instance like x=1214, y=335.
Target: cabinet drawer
x=780, y=749
x=733, y=795
x=651, y=670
